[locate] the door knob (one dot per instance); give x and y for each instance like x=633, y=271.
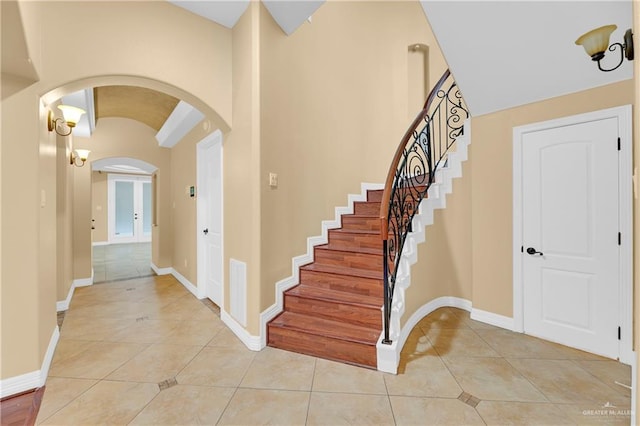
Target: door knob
x=534, y=252
x=205, y=231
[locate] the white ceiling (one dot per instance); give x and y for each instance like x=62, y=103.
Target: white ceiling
x=509, y=53
x=289, y=14
x=223, y=12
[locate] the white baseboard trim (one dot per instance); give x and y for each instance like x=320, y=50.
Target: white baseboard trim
x=493, y=319
x=286, y=283
x=161, y=271
x=34, y=379
x=251, y=342
x=100, y=243
x=186, y=283
x=63, y=305
x=83, y=282
x=389, y=355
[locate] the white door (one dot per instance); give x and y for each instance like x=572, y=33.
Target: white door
x=209, y=205
x=570, y=226
x=130, y=209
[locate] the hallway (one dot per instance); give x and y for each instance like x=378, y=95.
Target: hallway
x=145, y=351
x=115, y=262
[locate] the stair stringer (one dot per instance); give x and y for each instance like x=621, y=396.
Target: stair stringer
x=294, y=279
x=389, y=355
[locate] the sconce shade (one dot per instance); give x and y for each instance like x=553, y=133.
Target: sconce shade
x=82, y=154
x=78, y=157
x=71, y=114
x=595, y=42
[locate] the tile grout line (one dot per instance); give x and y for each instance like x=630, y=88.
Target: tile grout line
x=313, y=378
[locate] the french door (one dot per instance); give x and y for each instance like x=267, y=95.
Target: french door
x=130, y=211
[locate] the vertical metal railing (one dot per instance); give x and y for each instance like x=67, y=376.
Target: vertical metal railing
x=422, y=151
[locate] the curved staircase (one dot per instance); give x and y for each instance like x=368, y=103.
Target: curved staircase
x=335, y=311
x=345, y=297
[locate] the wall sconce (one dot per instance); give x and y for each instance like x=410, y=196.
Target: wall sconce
x=595, y=42
x=79, y=155
x=71, y=116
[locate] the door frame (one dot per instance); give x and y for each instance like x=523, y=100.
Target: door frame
x=111, y=207
x=625, y=217
x=209, y=141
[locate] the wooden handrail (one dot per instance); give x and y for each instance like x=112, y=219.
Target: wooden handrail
x=388, y=184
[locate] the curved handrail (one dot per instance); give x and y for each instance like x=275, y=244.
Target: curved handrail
x=388, y=184
x=411, y=174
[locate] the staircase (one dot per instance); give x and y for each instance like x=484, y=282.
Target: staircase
x=335, y=311
x=346, y=297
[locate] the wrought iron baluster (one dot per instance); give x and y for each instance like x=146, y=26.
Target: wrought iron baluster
x=422, y=151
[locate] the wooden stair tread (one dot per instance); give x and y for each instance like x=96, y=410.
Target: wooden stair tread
x=342, y=270
x=363, y=250
x=327, y=328
x=329, y=295
x=355, y=231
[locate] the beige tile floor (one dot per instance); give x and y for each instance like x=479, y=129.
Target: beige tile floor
x=121, y=261
x=145, y=351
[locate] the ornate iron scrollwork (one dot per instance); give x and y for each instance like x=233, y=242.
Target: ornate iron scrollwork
x=423, y=153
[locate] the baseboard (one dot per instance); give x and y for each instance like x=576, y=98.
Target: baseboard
x=83, y=282
x=161, y=271
x=48, y=357
x=251, y=342
x=493, y=319
x=186, y=283
x=64, y=304
x=389, y=355
x=34, y=379
x=285, y=284
x=100, y=243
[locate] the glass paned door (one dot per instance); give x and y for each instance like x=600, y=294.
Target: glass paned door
x=130, y=208
x=124, y=209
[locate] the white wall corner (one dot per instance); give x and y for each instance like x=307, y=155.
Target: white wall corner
x=34, y=379
x=186, y=283
x=63, y=305
x=251, y=342
x=161, y=271
x=285, y=284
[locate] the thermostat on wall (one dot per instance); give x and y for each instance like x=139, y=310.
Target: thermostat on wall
x=192, y=191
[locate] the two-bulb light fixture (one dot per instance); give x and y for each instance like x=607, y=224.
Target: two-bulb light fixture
x=71, y=116
x=595, y=42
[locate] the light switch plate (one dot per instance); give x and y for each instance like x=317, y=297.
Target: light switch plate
x=273, y=180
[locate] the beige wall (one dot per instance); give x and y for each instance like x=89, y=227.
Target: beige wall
x=241, y=158
x=492, y=190
x=333, y=110
x=444, y=259
x=20, y=240
x=150, y=48
x=99, y=207
x=64, y=228
x=184, y=207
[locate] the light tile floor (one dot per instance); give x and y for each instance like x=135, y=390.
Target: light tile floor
x=145, y=351
x=121, y=261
